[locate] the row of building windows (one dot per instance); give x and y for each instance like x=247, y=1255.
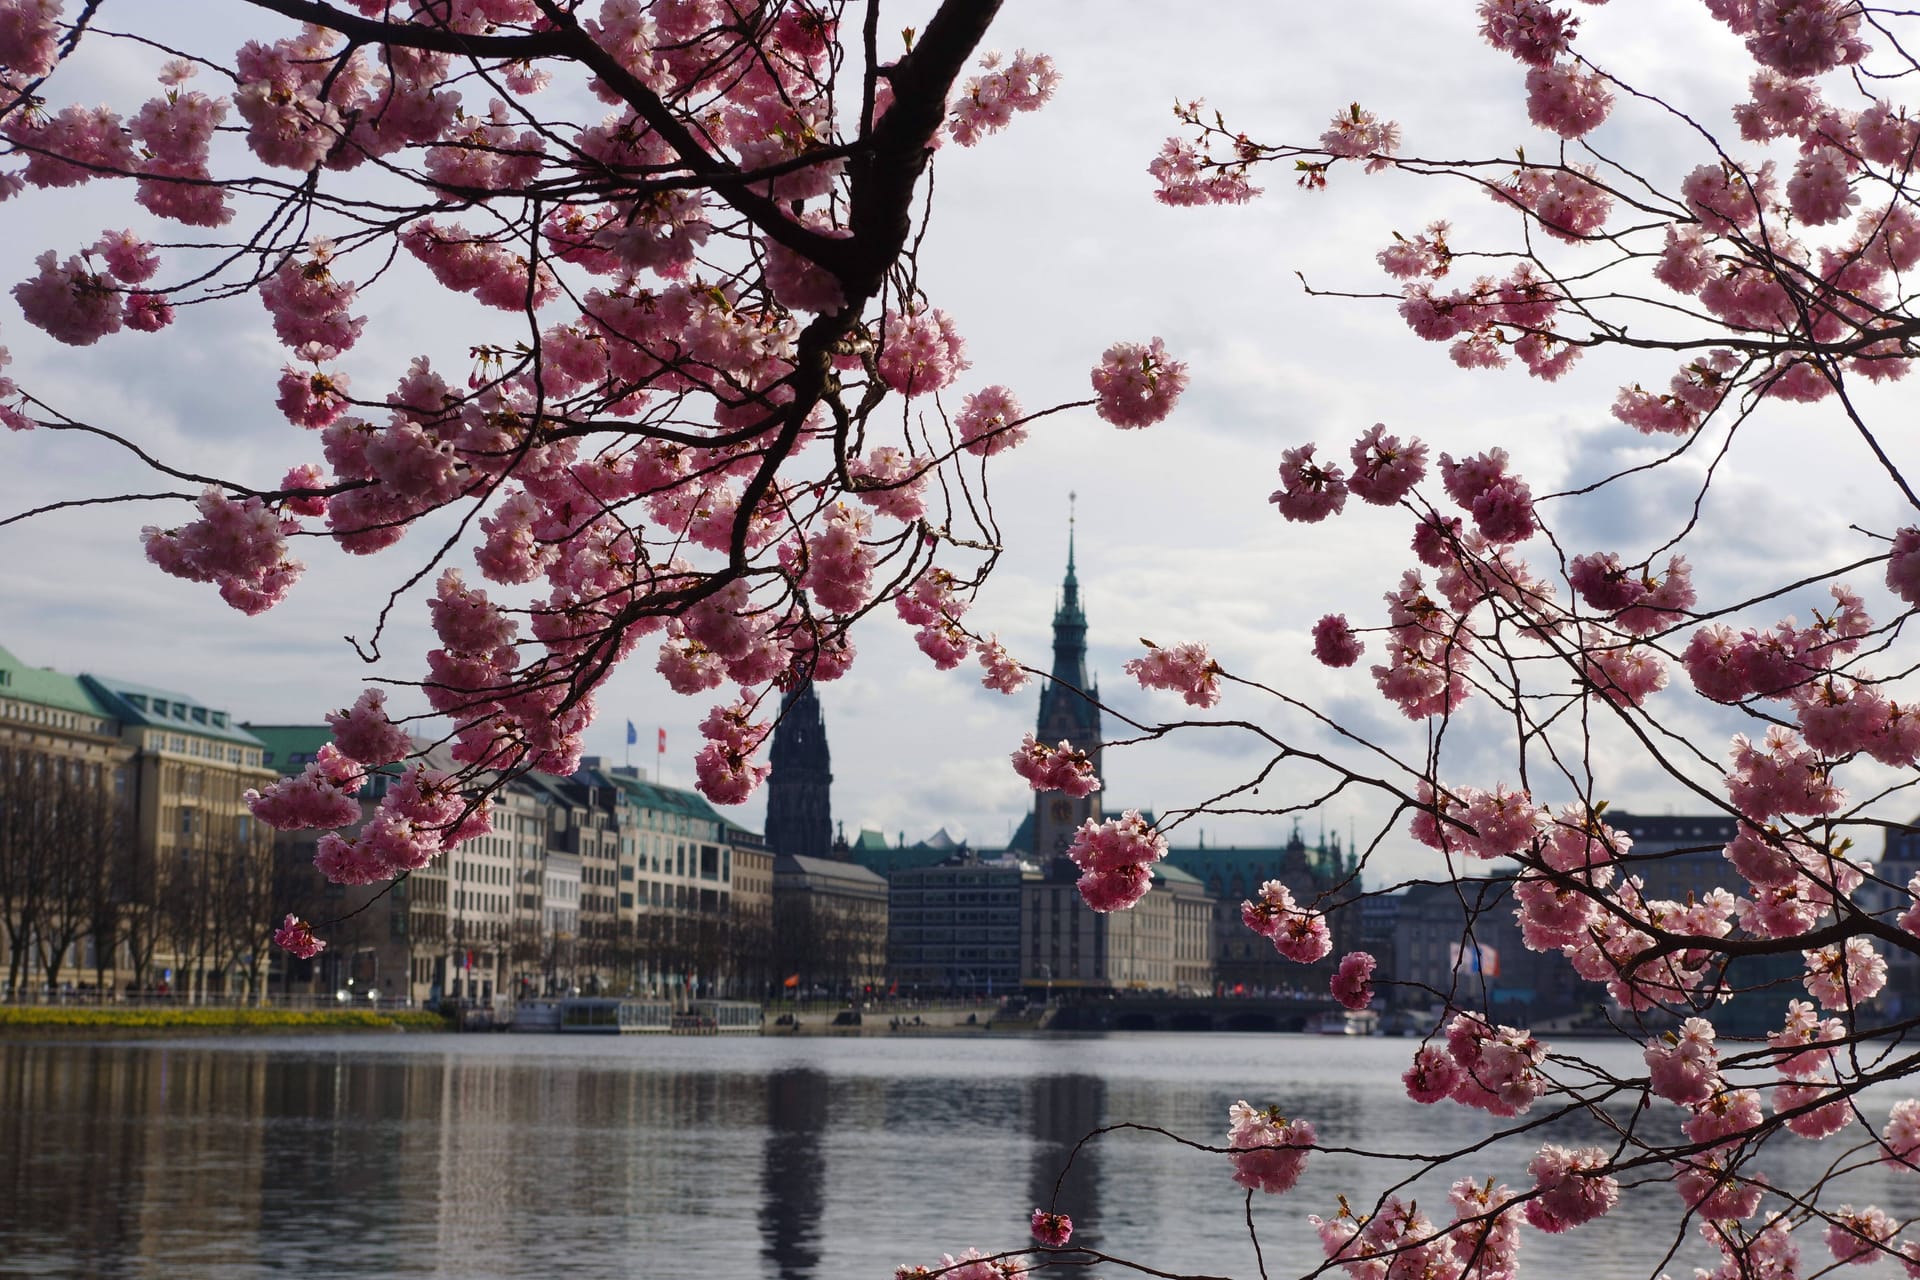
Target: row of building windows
x=52, y=718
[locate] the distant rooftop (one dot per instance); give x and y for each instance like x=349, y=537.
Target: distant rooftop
x=142, y=704
x=46, y=687
x=289, y=747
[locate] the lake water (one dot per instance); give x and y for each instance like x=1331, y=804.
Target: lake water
x=474, y=1157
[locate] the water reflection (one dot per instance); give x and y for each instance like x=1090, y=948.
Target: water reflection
x=483, y=1157
x=1062, y=1110
x=793, y=1186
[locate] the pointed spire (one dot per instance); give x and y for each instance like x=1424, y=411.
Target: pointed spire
x=1068, y=612
x=1072, y=497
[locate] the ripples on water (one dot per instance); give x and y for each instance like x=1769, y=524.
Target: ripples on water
x=497, y=1156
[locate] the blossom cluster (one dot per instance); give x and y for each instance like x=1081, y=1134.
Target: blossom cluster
x=1060, y=768
x=1269, y=1151
x=1116, y=858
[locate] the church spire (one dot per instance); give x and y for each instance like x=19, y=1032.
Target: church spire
x=799, y=807
x=1067, y=710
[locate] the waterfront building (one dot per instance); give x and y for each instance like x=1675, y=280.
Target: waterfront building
x=1885, y=894
x=202, y=860
x=954, y=927
x=752, y=920
x=67, y=806
x=127, y=854
x=1067, y=946
x=829, y=924
x=1320, y=877
x=686, y=930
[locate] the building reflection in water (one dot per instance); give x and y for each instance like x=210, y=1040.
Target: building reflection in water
x=793, y=1181
x=1061, y=1111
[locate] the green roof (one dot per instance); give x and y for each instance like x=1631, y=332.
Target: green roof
x=652, y=795
x=164, y=709
x=290, y=746
x=48, y=688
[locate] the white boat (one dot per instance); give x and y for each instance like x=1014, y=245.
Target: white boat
x=1350, y=1022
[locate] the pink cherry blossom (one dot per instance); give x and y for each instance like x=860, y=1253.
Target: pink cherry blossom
x=1298, y=933
x=1684, y=1067
x=1352, y=985
x=1357, y=133
x=1819, y=191
x=1567, y=202
x=1903, y=565
x=1625, y=675
x=1844, y=976
x=363, y=732
x=147, y=312
x=1269, y=1150
x=1052, y=1229
x=1798, y=38
x=1125, y=841
x=1901, y=1135
x=1136, y=386
x=1062, y=768
x=1531, y=30
x=1184, y=176
x=1566, y=99
x=1433, y=1076
x=1806, y=1041
x=1859, y=1237
x=892, y=482
x=1003, y=673
x=239, y=546
x=70, y=301
x=1116, y=857
x=295, y=937
x=920, y=352
x=1334, y=642
x=1186, y=669
x=1500, y=502
x=1569, y=1190
x=988, y=101
x=1826, y=1110
x=986, y=421
x=1308, y=491
x=1115, y=890
x=1498, y=1066
x=319, y=797
x=1384, y=470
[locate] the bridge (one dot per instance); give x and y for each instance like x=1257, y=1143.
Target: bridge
x=1192, y=1013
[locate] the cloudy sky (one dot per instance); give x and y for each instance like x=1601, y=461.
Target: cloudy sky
x=1045, y=246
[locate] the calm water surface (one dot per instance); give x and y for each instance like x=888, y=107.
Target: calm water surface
x=821, y=1159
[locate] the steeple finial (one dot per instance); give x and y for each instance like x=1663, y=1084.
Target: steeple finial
x=1071, y=498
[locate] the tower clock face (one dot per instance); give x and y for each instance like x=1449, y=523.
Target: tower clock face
x=1062, y=809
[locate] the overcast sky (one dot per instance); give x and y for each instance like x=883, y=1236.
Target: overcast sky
x=1046, y=246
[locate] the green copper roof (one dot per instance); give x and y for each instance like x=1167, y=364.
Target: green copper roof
x=47, y=688
x=652, y=795
x=164, y=709
x=290, y=746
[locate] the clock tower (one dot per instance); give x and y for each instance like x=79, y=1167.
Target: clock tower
x=799, y=805
x=1069, y=710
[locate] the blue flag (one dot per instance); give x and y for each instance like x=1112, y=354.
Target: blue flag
x=633, y=734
